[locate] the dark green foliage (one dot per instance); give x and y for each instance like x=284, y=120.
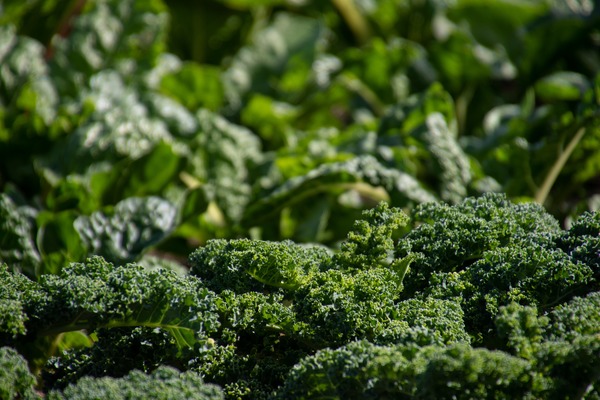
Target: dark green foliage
x=258, y=317
x=337, y=307
x=579, y=317
x=246, y=265
x=571, y=367
x=370, y=243
x=97, y=294
x=431, y=321
x=520, y=328
x=362, y=370
x=530, y=275
x=146, y=348
x=141, y=130
x=16, y=381
x=17, y=247
x=582, y=241
x=490, y=252
x=462, y=372
x=14, y=293
x=163, y=384
x=121, y=235
x=451, y=238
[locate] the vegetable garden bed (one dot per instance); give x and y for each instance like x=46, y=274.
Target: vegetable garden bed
x=299, y=199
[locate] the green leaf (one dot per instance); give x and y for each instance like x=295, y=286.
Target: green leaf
x=122, y=234
x=195, y=86
x=272, y=120
x=452, y=165
x=127, y=36
x=58, y=240
x=224, y=156
x=97, y=294
x=255, y=68
x=562, y=86
x=403, y=188
x=16, y=381
x=17, y=232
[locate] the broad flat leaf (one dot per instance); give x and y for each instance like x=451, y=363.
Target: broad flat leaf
x=17, y=231
x=58, y=241
x=123, y=233
x=563, y=85
x=403, y=188
x=224, y=156
x=195, y=86
x=271, y=119
x=118, y=127
x=255, y=68
x=111, y=34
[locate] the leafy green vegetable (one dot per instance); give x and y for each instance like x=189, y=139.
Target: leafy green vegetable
x=16, y=382
x=164, y=383
x=120, y=235
x=17, y=246
x=283, y=144
x=362, y=370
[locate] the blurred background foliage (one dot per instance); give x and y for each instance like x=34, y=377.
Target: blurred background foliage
x=142, y=128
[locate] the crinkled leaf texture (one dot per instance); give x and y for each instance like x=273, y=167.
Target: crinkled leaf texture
x=403, y=188
x=163, y=384
x=17, y=247
x=97, y=294
x=123, y=233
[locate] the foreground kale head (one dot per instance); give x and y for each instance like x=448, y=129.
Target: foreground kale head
x=486, y=298
x=489, y=252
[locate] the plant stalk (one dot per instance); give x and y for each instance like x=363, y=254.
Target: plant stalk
x=542, y=194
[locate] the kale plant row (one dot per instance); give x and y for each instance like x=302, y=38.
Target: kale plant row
x=484, y=299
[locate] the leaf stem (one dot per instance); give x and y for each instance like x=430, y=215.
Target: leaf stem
x=542, y=193
x=357, y=23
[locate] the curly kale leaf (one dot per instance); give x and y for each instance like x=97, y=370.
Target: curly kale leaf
x=362, y=370
x=370, y=243
x=96, y=294
x=16, y=382
x=337, y=307
x=145, y=348
x=582, y=241
x=14, y=293
x=453, y=237
x=579, y=317
x=430, y=321
x=570, y=368
x=163, y=384
x=491, y=252
x=251, y=265
x=521, y=329
x=530, y=275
